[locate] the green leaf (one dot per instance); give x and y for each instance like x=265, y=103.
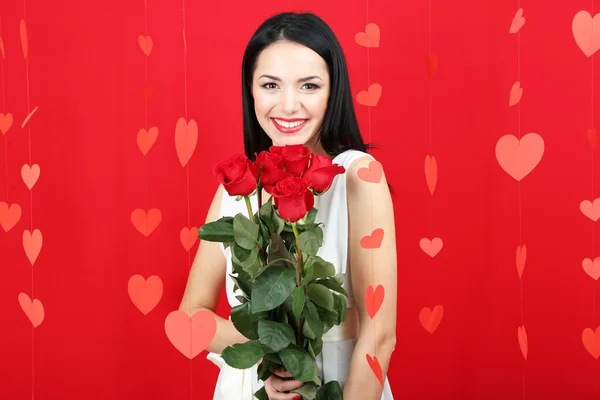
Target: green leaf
x=278, y=251
x=316, y=345
x=339, y=278
x=266, y=369
x=271, y=219
x=340, y=306
x=298, y=363
x=311, y=216
x=264, y=237
x=245, y=232
x=274, y=335
x=261, y=394
x=311, y=315
x=245, y=321
x=322, y=268
x=241, y=299
x=307, y=331
x=308, y=391
x=309, y=271
x=243, y=355
x=330, y=391
x=272, y=287
x=332, y=284
x=328, y=318
x=298, y=302
x=309, y=243
x=216, y=231
x=320, y=295
x=244, y=285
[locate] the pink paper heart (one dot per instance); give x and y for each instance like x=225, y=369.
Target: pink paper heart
x=431, y=173
x=146, y=139
x=6, y=121
x=521, y=258
x=517, y=22
x=190, y=335
x=586, y=31
x=145, y=293
x=523, y=344
x=431, y=247
x=591, y=210
x=186, y=138
x=34, y=310
x=515, y=94
x=592, y=268
x=519, y=157
x=146, y=44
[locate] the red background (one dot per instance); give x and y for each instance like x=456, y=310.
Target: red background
x=86, y=72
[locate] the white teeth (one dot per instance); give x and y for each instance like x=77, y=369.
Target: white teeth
x=289, y=124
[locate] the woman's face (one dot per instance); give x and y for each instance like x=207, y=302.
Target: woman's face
x=290, y=88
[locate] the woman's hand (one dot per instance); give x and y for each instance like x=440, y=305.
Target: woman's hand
x=275, y=386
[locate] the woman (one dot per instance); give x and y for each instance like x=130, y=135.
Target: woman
x=296, y=91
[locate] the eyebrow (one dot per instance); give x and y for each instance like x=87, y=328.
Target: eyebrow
x=308, y=78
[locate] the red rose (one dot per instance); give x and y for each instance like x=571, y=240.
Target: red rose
x=237, y=174
x=292, y=198
x=295, y=157
x=271, y=171
x=321, y=172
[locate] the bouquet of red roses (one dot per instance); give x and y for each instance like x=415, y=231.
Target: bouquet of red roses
x=290, y=297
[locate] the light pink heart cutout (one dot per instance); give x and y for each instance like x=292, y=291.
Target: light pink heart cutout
x=34, y=310
x=190, y=335
x=30, y=175
x=519, y=157
x=431, y=247
x=592, y=268
x=32, y=243
x=586, y=31
x=591, y=210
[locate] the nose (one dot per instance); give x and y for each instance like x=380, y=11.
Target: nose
x=290, y=102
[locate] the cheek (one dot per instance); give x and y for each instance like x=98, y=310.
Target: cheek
x=318, y=106
x=262, y=105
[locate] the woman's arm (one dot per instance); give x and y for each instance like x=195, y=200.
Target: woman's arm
x=370, y=207
x=205, y=282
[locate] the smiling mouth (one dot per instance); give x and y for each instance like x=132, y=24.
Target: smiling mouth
x=289, y=127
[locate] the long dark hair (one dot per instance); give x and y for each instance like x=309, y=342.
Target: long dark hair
x=339, y=131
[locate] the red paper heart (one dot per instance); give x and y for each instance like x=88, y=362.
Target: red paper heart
x=372, y=241
x=370, y=97
x=372, y=173
x=190, y=335
x=375, y=367
x=146, y=138
x=188, y=237
x=34, y=310
x=374, y=299
x=145, y=294
x=6, y=121
x=146, y=44
x=370, y=37
x=9, y=216
x=431, y=173
x=32, y=243
x=431, y=319
x=146, y=223
x=186, y=138
x=591, y=341
x=522, y=337
x=521, y=258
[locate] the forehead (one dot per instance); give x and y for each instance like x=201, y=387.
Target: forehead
x=289, y=60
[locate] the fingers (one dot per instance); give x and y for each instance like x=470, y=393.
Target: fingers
x=283, y=373
x=275, y=388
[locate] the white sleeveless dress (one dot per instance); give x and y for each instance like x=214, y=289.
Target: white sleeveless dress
x=333, y=362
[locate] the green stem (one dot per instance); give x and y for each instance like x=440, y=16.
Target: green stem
x=251, y=214
x=298, y=276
